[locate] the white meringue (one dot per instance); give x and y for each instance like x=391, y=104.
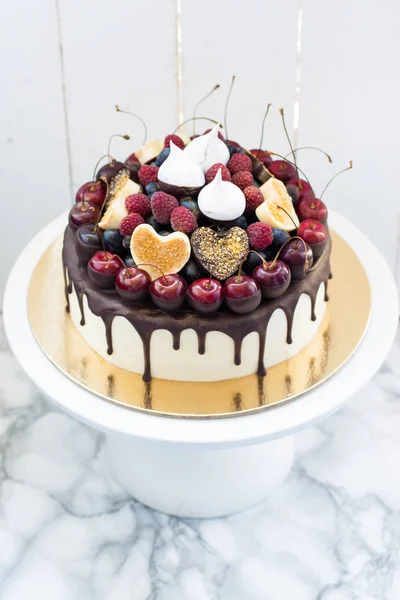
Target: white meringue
x=181, y=169
x=208, y=149
x=221, y=200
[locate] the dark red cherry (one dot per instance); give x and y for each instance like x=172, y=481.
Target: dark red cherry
x=94, y=191
x=168, y=292
x=298, y=255
x=314, y=233
x=273, y=277
x=103, y=268
x=205, y=295
x=132, y=283
x=312, y=208
x=87, y=242
x=109, y=170
x=242, y=294
x=263, y=156
x=283, y=170
x=82, y=213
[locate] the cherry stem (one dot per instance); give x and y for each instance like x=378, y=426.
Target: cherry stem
x=334, y=177
x=128, y=112
x=262, y=129
x=290, y=142
x=197, y=119
x=112, y=160
x=226, y=106
x=291, y=163
x=124, y=136
x=264, y=262
x=285, y=211
x=200, y=102
x=155, y=267
x=103, y=180
x=310, y=148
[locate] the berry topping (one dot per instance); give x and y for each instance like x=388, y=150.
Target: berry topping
x=212, y=171
x=253, y=198
x=205, y=295
x=162, y=205
x=175, y=139
x=260, y=235
x=242, y=179
x=132, y=283
x=148, y=174
x=129, y=223
x=182, y=219
x=138, y=203
x=283, y=170
x=168, y=292
x=162, y=156
x=242, y=293
x=239, y=162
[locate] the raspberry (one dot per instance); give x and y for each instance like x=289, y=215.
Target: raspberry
x=242, y=179
x=253, y=198
x=239, y=162
x=212, y=171
x=221, y=137
x=147, y=174
x=260, y=235
x=138, y=203
x=174, y=138
x=162, y=205
x=129, y=223
x=182, y=219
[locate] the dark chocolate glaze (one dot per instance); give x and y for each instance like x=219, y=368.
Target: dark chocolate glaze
x=146, y=318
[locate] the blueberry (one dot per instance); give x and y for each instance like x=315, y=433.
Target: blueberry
x=126, y=241
x=153, y=163
x=129, y=260
x=240, y=222
x=155, y=224
x=280, y=237
x=162, y=156
x=233, y=150
x=151, y=187
x=191, y=205
x=293, y=192
x=252, y=261
x=112, y=240
x=191, y=271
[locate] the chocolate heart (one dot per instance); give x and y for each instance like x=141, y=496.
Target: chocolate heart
x=220, y=253
x=159, y=254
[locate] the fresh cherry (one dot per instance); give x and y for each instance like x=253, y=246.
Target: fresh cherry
x=283, y=170
x=298, y=255
x=83, y=212
x=168, y=292
x=273, y=277
x=312, y=208
x=132, y=283
x=87, y=242
x=109, y=170
x=242, y=293
x=103, y=268
x=205, y=295
x=314, y=233
x=94, y=191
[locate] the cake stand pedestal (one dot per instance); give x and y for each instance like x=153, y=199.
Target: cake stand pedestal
x=204, y=467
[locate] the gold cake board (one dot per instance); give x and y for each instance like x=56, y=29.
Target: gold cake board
x=340, y=332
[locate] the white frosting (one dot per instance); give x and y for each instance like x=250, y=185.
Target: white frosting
x=208, y=149
x=181, y=169
x=221, y=200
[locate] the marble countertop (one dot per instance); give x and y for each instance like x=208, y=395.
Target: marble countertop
x=68, y=531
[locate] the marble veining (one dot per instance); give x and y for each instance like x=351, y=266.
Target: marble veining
x=68, y=531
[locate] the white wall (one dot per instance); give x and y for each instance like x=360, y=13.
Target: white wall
x=65, y=65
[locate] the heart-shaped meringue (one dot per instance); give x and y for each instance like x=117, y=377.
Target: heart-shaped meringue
x=168, y=253
x=220, y=253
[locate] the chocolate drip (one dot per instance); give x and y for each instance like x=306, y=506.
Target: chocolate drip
x=66, y=289
x=147, y=318
x=80, y=304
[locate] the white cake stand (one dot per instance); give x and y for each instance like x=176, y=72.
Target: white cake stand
x=203, y=467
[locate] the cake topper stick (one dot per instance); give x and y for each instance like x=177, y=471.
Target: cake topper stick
x=310, y=148
x=197, y=119
x=226, y=106
x=124, y=136
x=216, y=87
x=334, y=177
x=262, y=129
x=128, y=112
x=290, y=142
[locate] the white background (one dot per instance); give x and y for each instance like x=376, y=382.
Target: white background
x=64, y=65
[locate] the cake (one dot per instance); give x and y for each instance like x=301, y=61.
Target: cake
x=197, y=260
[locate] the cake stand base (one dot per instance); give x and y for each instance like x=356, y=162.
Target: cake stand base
x=199, y=482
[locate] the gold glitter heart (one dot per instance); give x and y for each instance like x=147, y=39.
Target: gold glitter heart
x=220, y=253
